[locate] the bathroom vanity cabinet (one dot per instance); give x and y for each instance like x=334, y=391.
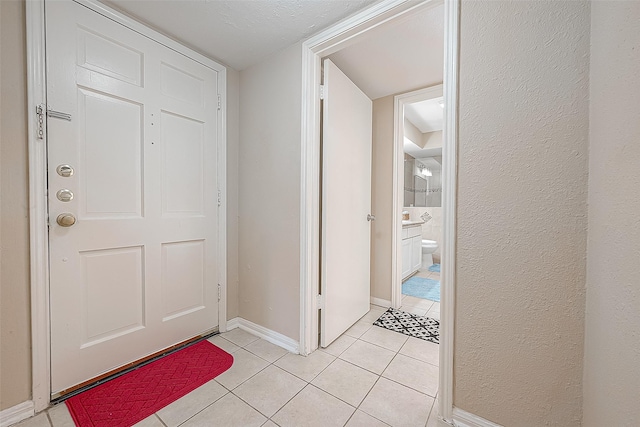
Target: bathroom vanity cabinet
x=411, y=248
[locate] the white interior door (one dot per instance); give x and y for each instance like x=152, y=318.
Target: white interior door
x=346, y=203
x=138, y=271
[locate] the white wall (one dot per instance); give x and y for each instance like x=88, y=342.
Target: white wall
x=432, y=139
x=413, y=133
x=269, y=202
x=522, y=204
x=612, y=334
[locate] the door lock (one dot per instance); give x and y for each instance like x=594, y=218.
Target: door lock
x=66, y=220
x=64, y=195
x=371, y=217
x=65, y=170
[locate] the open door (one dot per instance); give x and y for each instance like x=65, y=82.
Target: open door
x=346, y=204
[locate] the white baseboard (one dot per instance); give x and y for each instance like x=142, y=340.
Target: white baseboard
x=266, y=334
x=381, y=302
x=463, y=418
x=17, y=413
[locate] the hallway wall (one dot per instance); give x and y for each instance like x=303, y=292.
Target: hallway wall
x=269, y=203
x=15, y=334
x=522, y=205
x=612, y=333
x=381, y=197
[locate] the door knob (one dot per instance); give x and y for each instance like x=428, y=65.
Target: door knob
x=66, y=220
x=64, y=170
x=371, y=217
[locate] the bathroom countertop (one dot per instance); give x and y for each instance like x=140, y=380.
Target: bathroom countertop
x=411, y=223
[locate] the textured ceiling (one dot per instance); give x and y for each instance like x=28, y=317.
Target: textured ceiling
x=403, y=55
x=239, y=33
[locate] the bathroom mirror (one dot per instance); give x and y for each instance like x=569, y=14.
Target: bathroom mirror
x=423, y=181
x=423, y=153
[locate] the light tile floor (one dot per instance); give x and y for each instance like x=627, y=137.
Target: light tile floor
x=368, y=377
x=422, y=307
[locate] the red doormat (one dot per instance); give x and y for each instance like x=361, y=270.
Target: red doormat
x=134, y=396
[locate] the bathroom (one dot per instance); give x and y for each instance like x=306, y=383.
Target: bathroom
x=422, y=204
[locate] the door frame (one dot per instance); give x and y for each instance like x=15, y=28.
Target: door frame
x=324, y=43
x=399, y=101
x=38, y=214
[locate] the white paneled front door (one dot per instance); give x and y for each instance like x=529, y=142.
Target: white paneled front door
x=346, y=203
x=136, y=168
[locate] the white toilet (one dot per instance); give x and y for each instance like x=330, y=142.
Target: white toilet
x=428, y=248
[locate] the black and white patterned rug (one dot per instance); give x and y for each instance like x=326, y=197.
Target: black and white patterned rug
x=425, y=328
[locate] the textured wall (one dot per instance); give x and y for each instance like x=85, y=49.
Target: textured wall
x=269, y=203
x=522, y=204
x=612, y=333
x=382, y=197
x=15, y=350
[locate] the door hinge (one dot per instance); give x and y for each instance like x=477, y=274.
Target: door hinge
x=219, y=292
x=219, y=102
x=40, y=121
x=321, y=91
x=219, y=198
x=319, y=302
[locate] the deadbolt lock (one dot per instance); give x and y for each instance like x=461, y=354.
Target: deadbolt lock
x=64, y=195
x=65, y=170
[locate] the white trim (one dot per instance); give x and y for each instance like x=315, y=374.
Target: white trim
x=17, y=413
x=222, y=208
x=380, y=302
x=266, y=334
x=233, y=323
x=399, y=102
x=309, y=202
x=324, y=43
x=39, y=244
x=39, y=238
x=449, y=204
x=463, y=418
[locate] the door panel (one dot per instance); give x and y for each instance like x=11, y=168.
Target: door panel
x=138, y=271
x=407, y=251
x=416, y=253
x=114, y=284
x=98, y=53
x=111, y=156
x=346, y=202
x=183, y=285
x=182, y=168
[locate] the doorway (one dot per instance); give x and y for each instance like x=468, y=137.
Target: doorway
x=322, y=45
x=418, y=172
